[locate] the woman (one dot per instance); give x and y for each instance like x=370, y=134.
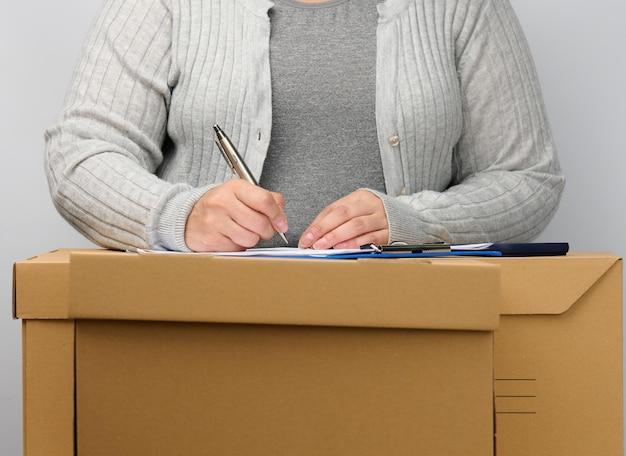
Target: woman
x=365, y=120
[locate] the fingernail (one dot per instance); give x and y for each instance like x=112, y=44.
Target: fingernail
x=281, y=224
x=321, y=244
x=305, y=240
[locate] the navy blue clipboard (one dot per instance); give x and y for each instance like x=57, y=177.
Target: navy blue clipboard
x=383, y=255
x=493, y=250
x=531, y=249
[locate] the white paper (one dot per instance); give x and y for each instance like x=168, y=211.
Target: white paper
x=471, y=247
x=265, y=252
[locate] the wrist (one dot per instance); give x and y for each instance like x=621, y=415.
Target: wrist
x=172, y=219
x=405, y=223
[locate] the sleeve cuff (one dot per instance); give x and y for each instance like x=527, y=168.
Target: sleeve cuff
x=172, y=220
x=405, y=225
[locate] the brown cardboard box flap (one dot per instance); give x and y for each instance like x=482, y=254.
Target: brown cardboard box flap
x=549, y=285
x=41, y=285
x=97, y=284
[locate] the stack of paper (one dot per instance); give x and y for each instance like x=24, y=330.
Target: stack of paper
x=279, y=252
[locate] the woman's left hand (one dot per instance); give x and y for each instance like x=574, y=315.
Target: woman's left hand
x=350, y=222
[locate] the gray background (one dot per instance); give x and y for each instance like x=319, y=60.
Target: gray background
x=578, y=47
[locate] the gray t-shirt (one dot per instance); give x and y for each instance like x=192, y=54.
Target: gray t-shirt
x=324, y=143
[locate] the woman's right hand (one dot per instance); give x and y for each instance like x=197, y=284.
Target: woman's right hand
x=234, y=216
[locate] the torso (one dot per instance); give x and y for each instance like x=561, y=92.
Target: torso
x=221, y=73
x=324, y=143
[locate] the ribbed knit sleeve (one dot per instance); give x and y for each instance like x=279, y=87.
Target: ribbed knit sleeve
x=507, y=181
x=102, y=154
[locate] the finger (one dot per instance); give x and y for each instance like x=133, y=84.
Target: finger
x=263, y=201
x=224, y=244
x=337, y=214
x=345, y=201
x=324, y=212
x=352, y=229
x=329, y=219
x=379, y=237
x=280, y=199
x=252, y=220
x=239, y=235
x=216, y=243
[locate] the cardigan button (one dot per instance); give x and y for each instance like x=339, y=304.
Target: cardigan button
x=394, y=140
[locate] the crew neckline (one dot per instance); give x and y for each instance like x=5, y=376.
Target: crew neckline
x=387, y=9
x=317, y=5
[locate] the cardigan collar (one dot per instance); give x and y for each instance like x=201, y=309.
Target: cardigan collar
x=386, y=9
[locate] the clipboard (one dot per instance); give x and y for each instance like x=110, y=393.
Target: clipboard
x=487, y=249
x=406, y=254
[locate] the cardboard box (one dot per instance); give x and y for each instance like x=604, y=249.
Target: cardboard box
x=558, y=356
x=161, y=355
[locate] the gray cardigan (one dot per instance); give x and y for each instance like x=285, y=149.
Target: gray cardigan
x=465, y=144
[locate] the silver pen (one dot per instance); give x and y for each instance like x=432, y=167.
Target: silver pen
x=234, y=160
